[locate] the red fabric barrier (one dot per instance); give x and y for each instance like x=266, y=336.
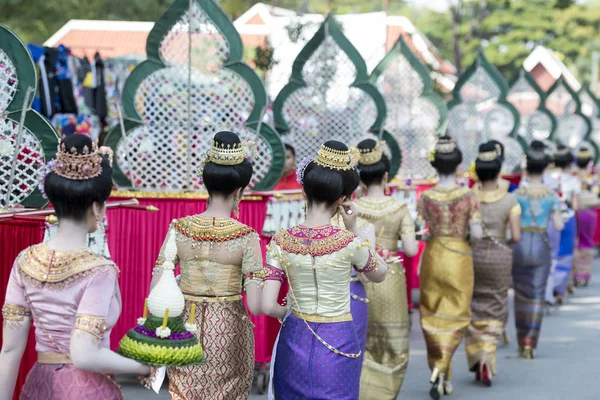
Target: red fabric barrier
x=411, y=268
x=597, y=233
x=14, y=237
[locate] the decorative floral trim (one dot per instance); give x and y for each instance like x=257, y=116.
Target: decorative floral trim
x=192, y=328
x=447, y=195
x=163, y=333
x=211, y=229
x=378, y=208
x=534, y=193
x=301, y=168
x=71, y=279
x=48, y=266
x=141, y=321
x=493, y=196
x=95, y=326
x=13, y=315
x=314, y=241
x=43, y=174
x=273, y=274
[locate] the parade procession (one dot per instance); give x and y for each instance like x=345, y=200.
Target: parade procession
x=299, y=199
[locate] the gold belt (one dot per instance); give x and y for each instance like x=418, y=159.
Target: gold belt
x=355, y=279
x=322, y=319
x=534, y=229
x=49, y=357
x=215, y=299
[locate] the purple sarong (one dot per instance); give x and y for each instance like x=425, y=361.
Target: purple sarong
x=306, y=369
x=360, y=313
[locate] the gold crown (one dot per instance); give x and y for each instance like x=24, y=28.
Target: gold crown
x=563, y=152
x=445, y=146
x=228, y=155
x=86, y=165
x=584, y=153
x=371, y=156
x=337, y=159
x=488, y=156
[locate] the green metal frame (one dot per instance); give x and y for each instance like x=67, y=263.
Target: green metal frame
x=560, y=81
x=542, y=107
x=234, y=63
x=482, y=61
x=401, y=48
x=362, y=82
x=39, y=126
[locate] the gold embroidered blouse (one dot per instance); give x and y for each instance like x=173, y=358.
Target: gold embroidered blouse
x=448, y=210
x=214, y=254
x=65, y=292
x=390, y=217
x=496, y=208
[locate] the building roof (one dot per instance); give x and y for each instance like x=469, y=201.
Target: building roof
x=545, y=67
x=109, y=38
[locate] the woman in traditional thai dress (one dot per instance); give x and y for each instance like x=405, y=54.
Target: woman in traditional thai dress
x=386, y=357
x=532, y=258
x=492, y=261
x=317, y=354
x=567, y=186
x=359, y=307
x=70, y=293
x=446, y=277
x=586, y=222
x=218, y=256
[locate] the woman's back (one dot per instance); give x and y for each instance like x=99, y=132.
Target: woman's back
x=537, y=204
x=390, y=217
x=448, y=210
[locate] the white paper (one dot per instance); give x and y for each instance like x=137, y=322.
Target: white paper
x=159, y=378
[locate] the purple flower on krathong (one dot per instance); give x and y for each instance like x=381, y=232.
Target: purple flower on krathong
x=43, y=173
x=300, y=169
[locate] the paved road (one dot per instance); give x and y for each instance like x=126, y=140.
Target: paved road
x=566, y=368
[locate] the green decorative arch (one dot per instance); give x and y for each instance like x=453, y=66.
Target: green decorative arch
x=562, y=129
x=525, y=75
x=34, y=123
x=233, y=63
x=462, y=112
x=331, y=30
x=388, y=77
x=594, y=118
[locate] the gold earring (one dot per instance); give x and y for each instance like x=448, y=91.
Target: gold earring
x=304, y=208
x=386, y=189
x=339, y=215
x=236, y=208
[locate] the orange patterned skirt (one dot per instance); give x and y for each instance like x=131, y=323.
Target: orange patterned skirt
x=225, y=331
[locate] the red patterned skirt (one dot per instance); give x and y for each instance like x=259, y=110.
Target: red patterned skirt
x=225, y=331
x=65, y=382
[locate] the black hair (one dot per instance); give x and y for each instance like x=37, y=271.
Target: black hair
x=326, y=185
x=488, y=170
x=370, y=174
x=501, y=147
x=225, y=179
x=565, y=159
x=537, y=159
x=291, y=149
x=72, y=198
x=583, y=162
x=446, y=163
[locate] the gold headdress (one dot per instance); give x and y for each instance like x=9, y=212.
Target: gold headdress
x=86, y=165
x=445, y=146
x=337, y=159
x=371, y=156
x=221, y=154
x=487, y=156
x=563, y=152
x=584, y=153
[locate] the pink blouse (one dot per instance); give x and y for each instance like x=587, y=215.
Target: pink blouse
x=64, y=293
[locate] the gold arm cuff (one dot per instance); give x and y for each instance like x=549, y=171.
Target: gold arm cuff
x=14, y=313
x=95, y=326
x=206, y=299
x=355, y=279
x=49, y=357
x=322, y=319
x=516, y=210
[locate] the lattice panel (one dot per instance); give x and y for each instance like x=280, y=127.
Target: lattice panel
x=30, y=160
x=328, y=107
x=183, y=105
x=480, y=113
x=412, y=119
x=572, y=128
x=535, y=125
x=8, y=81
x=589, y=107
